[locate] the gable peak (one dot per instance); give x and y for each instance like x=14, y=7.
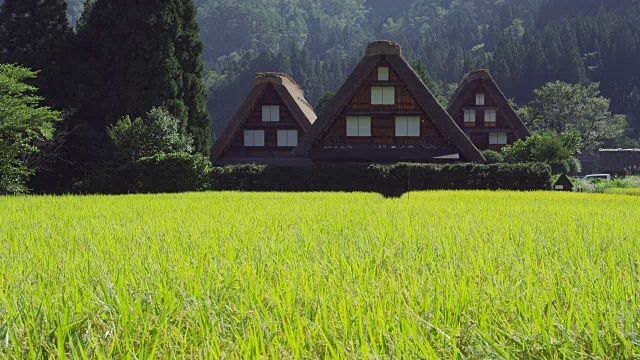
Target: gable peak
x=383, y=47
x=277, y=78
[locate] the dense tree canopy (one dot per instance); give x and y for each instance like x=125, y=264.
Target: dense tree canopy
x=23, y=123
x=35, y=34
x=144, y=55
x=562, y=108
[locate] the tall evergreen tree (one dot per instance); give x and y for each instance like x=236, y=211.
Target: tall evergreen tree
x=35, y=34
x=144, y=55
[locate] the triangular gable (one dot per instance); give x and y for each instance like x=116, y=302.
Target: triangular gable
x=468, y=86
x=288, y=91
x=390, y=52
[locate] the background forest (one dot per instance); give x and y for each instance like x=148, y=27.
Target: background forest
x=525, y=44
x=97, y=69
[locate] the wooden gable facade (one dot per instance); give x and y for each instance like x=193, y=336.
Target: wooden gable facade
x=385, y=113
x=268, y=125
x=481, y=109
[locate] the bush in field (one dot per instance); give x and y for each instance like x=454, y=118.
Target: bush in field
x=160, y=173
x=554, y=149
x=166, y=173
x=493, y=157
x=157, y=133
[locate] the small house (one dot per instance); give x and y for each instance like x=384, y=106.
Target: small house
x=385, y=113
x=481, y=109
x=267, y=126
x=563, y=183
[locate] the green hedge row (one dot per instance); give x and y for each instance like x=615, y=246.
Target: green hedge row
x=390, y=180
x=180, y=172
x=162, y=173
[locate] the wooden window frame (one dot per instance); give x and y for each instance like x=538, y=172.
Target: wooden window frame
x=271, y=109
x=384, y=96
x=253, y=132
x=383, y=76
x=497, y=141
x=482, y=97
x=359, y=119
x=407, y=118
x=288, y=133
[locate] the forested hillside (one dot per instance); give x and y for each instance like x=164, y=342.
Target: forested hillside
x=525, y=43
x=116, y=69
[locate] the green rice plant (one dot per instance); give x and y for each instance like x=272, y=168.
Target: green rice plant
x=461, y=275
x=624, y=191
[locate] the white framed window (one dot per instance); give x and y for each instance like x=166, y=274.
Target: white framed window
x=254, y=138
x=479, y=99
x=490, y=116
x=469, y=116
x=271, y=113
x=407, y=126
x=498, y=138
x=383, y=73
x=287, y=138
x=383, y=95
x=358, y=126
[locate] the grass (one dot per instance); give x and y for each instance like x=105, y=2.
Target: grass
x=229, y=275
x=624, y=191
x=604, y=186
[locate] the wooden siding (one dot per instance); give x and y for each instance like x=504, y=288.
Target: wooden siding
x=383, y=123
x=479, y=132
x=254, y=122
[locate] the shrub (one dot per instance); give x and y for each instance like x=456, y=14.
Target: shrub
x=157, y=133
x=493, y=157
x=390, y=180
x=165, y=173
x=547, y=147
x=161, y=173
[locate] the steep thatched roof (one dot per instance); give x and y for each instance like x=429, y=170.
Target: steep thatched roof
x=468, y=85
x=291, y=94
x=392, y=54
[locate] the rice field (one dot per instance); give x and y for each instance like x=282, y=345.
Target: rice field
x=466, y=275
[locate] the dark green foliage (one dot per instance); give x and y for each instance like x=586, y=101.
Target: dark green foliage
x=390, y=180
x=161, y=173
x=36, y=34
x=165, y=173
x=493, y=157
x=557, y=150
x=142, y=55
x=23, y=125
x=560, y=107
x=323, y=102
x=156, y=133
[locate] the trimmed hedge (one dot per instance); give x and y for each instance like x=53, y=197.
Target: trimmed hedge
x=390, y=180
x=161, y=173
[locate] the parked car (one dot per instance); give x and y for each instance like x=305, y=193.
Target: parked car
x=594, y=177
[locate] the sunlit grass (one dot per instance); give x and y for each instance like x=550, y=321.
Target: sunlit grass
x=435, y=274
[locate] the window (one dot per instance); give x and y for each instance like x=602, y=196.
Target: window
x=287, y=138
x=358, y=126
x=498, y=138
x=490, y=116
x=407, y=126
x=470, y=116
x=254, y=138
x=383, y=74
x=383, y=95
x=270, y=113
x=479, y=99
